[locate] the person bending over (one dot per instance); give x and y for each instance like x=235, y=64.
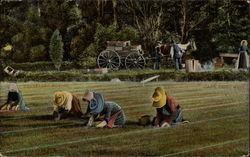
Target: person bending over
x=168, y=111
x=66, y=105
x=110, y=113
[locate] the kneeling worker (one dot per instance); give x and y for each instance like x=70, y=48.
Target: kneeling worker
x=110, y=113
x=66, y=105
x=168, y=110
x=15, y=100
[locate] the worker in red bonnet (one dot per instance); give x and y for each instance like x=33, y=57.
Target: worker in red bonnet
x=168, y=110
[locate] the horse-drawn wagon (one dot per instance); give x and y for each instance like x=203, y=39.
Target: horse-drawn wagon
x=121, y=54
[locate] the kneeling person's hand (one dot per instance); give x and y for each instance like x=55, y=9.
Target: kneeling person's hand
x=165, y=125
x=102, y=124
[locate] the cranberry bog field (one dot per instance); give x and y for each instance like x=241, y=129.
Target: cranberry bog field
x=218, y=114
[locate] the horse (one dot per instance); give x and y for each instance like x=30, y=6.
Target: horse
x=168, y=50
x=189, y=46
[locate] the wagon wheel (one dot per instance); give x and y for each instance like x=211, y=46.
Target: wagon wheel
x=135, y=60
x=109, y=59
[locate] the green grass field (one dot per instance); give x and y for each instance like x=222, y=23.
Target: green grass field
x=218, y=112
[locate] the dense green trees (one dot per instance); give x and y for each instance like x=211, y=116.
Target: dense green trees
x=85, y=26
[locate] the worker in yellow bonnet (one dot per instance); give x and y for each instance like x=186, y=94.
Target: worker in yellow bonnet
x=66, y=105
x=168, y=111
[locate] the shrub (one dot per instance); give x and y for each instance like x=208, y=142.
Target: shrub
x=41, y=66
x=75, y=14
x=82, y=41
x=17, y=40
x=38, y=53
x=88, y=57
x=19, y=56
x=56, y=49
x=128, y=33
x=78, y=75
x=104, y=34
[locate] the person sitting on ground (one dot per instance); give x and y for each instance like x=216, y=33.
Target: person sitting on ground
x=66, y=105
x=110, y=113
x=168, y=110
x=15, y=100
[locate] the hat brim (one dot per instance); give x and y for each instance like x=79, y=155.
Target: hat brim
x=96, y=104
x=161, y=102
x=62, y=100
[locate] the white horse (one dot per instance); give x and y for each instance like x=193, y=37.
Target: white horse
x=184, y=47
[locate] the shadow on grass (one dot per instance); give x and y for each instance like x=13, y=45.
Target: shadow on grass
x=57, y=125
x=131, y=123
x=8, y=125
x=5, y=117
x=121, y=152
x=40, y=117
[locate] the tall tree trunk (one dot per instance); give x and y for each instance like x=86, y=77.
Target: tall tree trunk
x=114, y=2
x=183, y=21
x=98, y=9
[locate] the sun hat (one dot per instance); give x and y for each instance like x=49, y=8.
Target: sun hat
x=159, y=98
x=60, y=98
x=86, y=94
x=243, y=43
x=13, y=87
x=96, y=104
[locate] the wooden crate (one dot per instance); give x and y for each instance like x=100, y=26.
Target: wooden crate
x=192, y=65
x=218, y=63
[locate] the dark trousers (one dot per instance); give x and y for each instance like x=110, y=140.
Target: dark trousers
x=157, y=64
x=178, y=65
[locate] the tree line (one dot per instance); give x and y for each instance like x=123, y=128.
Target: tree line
x=84, y=26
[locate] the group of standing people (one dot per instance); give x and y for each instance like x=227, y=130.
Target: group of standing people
x=177, y=55
x=241, y=63
x=100, y=113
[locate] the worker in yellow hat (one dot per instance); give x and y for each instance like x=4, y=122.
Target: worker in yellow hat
x=168, y=110
x=66, y=105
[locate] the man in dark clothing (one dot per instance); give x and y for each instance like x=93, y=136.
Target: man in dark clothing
x=158, y=56
x=177, y=56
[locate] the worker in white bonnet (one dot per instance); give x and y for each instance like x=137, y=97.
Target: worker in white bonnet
x=15, y=100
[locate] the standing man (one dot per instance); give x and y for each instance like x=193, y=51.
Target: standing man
x=158, y=55
x=177, y=56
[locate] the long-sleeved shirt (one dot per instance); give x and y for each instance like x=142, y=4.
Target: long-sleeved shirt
x=177, y=51
x=109, y=109
x=243, y=49
x=168, y=112
x=13, y=96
